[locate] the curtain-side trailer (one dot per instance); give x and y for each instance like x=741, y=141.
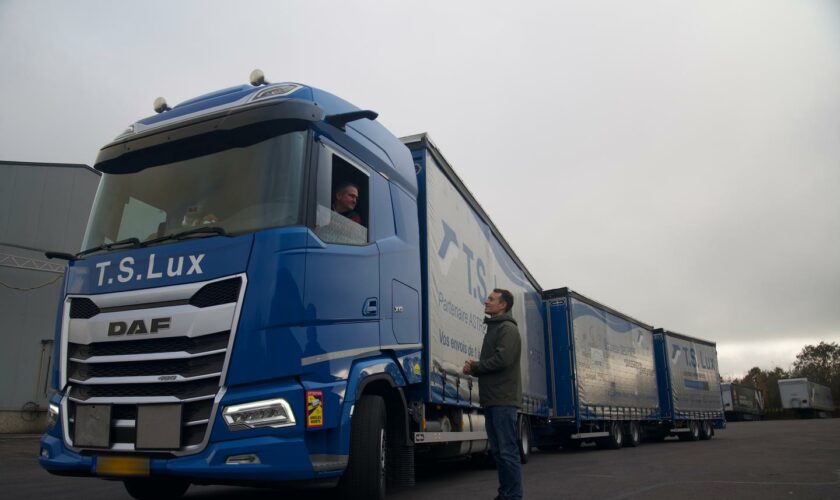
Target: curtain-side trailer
x=689, y=386
x=601, y=372
x=464, y=257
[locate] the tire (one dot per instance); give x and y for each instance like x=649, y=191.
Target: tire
x=524, y=432
x=634, y=435
x=616, y=438
x=706, y=431
x=159, y=488
x=365, y=477
x=693, y=433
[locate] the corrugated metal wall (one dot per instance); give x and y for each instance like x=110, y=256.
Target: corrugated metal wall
x=42, y=207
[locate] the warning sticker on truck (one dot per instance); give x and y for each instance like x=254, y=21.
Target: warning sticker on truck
x=314, y=409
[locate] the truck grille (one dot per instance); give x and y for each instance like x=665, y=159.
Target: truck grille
x=195, y=345
x=186, y=368
x=127, y=374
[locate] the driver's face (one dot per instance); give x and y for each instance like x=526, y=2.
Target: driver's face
x=346, y=199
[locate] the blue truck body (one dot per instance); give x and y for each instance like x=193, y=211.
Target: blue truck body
x=228, y=322
x=228, y=325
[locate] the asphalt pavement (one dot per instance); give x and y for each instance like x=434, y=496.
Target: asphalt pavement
x=790, y=459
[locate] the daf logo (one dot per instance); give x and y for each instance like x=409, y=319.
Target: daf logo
x=167, y=378
x=138, y=327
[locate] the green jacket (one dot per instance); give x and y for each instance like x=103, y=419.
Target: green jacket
x=499, y=378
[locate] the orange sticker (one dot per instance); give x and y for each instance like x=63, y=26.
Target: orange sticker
x=314, y=409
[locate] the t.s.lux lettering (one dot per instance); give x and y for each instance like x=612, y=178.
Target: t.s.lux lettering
x=173, y=267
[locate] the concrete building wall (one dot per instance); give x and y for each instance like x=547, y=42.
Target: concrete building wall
x=42, y=207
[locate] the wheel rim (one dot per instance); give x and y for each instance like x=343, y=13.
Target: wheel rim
x=695, y=429
x=526, y=446
x=634, y=429
x=619, y=434
x=382, y=451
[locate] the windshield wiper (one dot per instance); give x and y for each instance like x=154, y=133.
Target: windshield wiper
x=134, y=242
x=205, y=230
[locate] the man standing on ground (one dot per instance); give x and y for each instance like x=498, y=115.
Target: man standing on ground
x=500, y=390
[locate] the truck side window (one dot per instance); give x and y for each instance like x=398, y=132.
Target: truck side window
x=343, y=208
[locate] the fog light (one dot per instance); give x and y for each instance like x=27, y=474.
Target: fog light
x=52, y=416
x=243, y=460
x=268, y=413
x=45, y=453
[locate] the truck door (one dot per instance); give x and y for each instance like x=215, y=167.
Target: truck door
x=342, y=293
x=397, y=237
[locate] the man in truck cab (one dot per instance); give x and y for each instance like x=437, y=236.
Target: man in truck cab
x=500, y=389
x=345, y=199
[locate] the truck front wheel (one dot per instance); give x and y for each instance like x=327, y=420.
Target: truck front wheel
x=159, y=488
x=365, y=474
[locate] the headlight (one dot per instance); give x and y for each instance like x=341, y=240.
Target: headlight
x=52, y=416
x=268, y=413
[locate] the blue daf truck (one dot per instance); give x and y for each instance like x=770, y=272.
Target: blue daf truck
x=224, y=323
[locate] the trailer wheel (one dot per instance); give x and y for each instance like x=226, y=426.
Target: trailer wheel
x=615, y=439
x=706, y=431
x=634, y=434
x=365, y=475
x=693, y=433
x=524, y=433
x=160, y=488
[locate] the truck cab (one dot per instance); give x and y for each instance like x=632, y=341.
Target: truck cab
x=224, y=321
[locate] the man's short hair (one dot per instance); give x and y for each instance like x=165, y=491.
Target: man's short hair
x=506, y=296
x=344, y=185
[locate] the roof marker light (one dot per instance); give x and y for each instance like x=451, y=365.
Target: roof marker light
x=160, y=105
x=128, y=131
x=276, y=90
x=258, y=78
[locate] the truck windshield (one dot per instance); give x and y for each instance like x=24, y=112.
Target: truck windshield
x=239, y=190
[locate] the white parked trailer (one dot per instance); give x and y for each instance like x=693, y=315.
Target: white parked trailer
x=802, y=394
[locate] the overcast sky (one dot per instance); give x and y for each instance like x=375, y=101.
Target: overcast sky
x=676, y=160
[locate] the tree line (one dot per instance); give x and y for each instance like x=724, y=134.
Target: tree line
x=818, y=363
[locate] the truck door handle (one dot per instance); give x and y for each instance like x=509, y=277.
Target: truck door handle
x=370, y=309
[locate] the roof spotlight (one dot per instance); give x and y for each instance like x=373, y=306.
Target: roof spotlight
x=160, y=105
x=258, y=78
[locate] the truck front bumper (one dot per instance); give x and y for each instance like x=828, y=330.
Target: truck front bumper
x=279, y=459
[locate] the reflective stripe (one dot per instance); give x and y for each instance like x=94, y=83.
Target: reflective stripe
x=320, y=358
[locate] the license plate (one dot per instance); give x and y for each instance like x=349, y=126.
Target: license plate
x=158, y=427
x=93, y=426
x=122, y=466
